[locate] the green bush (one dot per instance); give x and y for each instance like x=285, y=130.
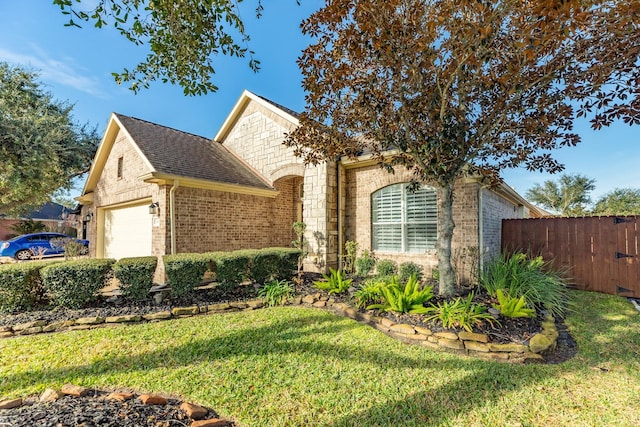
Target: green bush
x=534, y=279
x=289, y=258
x=334, y=282
x=407, y=299
x=365, y=263
x=135, y=276
x=264, y=266
x=512, y=306
x=460, y=313
x=231, y=268
x=408, y=269
x=368, y=294
x=351, y=252
x=21, y=286
x=185, y=271
x=387, y=267
x=276, y=292
x=73, y=284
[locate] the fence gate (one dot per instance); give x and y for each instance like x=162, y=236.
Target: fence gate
x=601, y=253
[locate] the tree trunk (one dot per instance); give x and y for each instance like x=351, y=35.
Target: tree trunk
x=446, y=286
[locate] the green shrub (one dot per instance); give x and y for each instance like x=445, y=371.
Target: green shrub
x=351, y=252
x=368, y=294
x=512, y=306
x=185, y=271
x=21, y=286
x=408, y=299
x=276, y=292
x=264, y=266
x=231, y=268
x=534, y=279
x=408, y=269
x=73, y=284
x=460, y=313
x=273, y=263
x=334, y=283
x=387, y=267
x=365, y=264
x=135, y=276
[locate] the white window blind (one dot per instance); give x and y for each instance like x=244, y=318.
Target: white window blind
x=404, y=221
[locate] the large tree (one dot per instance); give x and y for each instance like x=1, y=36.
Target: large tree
x=41, y=148
x=183, y=36
x=569, y=196
x=459, y=87
x=620, y=201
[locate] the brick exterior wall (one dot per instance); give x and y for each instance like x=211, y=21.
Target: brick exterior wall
x=209, y=220
x=494, y=209
x=361, y=183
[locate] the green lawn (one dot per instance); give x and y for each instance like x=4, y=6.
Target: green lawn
x=298, y=366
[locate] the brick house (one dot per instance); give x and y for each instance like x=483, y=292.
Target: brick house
x=154, y=190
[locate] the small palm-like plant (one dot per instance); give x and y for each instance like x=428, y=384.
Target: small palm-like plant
x=460, y=312
x=510, y=306
x=334, y=283
x=409, y=299
x=276, y=292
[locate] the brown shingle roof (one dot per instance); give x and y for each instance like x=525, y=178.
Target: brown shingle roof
x=183, y=154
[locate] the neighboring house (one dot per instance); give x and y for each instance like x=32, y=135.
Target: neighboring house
x=154, y=190
x=54, y=216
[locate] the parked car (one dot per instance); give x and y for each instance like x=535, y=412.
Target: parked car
x=28, y=246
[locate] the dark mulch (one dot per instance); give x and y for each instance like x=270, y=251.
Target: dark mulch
x=95, y=411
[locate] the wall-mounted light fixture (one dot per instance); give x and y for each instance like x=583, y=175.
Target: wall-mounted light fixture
x=154, y=208
x=88, y=216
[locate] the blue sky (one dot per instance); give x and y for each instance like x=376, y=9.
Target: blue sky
x=76, y=65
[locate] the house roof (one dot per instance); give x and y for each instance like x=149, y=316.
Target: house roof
x=173, y=152
x=173, y=156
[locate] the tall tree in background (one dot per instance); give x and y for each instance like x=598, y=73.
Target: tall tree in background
x=459, y=87
x=183, y=37
x=620, y=201
x=569, y=196
x=41, y=148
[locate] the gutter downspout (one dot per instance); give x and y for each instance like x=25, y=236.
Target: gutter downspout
x=480, y=229
x=339, y=197
x=172, y=213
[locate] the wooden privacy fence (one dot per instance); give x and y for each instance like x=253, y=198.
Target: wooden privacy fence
x=601, y=253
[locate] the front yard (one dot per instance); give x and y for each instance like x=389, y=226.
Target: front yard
x=299, y=366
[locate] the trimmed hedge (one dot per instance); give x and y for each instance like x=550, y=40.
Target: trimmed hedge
x=21, y=286
x=135, y=276
x=186, y=271
x=73, y=284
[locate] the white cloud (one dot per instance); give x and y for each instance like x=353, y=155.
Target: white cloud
x=55, y=70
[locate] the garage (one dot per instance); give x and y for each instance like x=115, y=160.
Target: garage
x=127, y=231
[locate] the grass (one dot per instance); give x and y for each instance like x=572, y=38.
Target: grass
x=294, y=366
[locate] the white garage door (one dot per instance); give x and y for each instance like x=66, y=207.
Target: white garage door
x=127, y=232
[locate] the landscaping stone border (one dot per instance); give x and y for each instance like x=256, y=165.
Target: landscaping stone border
x=462, y=342
x=195, y=414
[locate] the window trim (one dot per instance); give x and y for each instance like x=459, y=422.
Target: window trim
x=120, y=167
x=404, y=222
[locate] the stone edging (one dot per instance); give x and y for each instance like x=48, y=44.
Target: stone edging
x=195, y=413
x=463, y=342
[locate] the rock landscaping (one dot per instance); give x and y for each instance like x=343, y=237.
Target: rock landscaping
x=73, y=405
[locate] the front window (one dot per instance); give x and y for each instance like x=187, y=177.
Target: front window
x=404, y=221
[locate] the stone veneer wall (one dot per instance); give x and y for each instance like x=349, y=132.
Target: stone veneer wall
x=361, y=183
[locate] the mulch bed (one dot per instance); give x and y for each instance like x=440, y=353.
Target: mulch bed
x=94, y=410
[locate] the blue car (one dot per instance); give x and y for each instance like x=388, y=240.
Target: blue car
x=32, y=245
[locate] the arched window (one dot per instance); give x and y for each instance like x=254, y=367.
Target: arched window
x=403, y=221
